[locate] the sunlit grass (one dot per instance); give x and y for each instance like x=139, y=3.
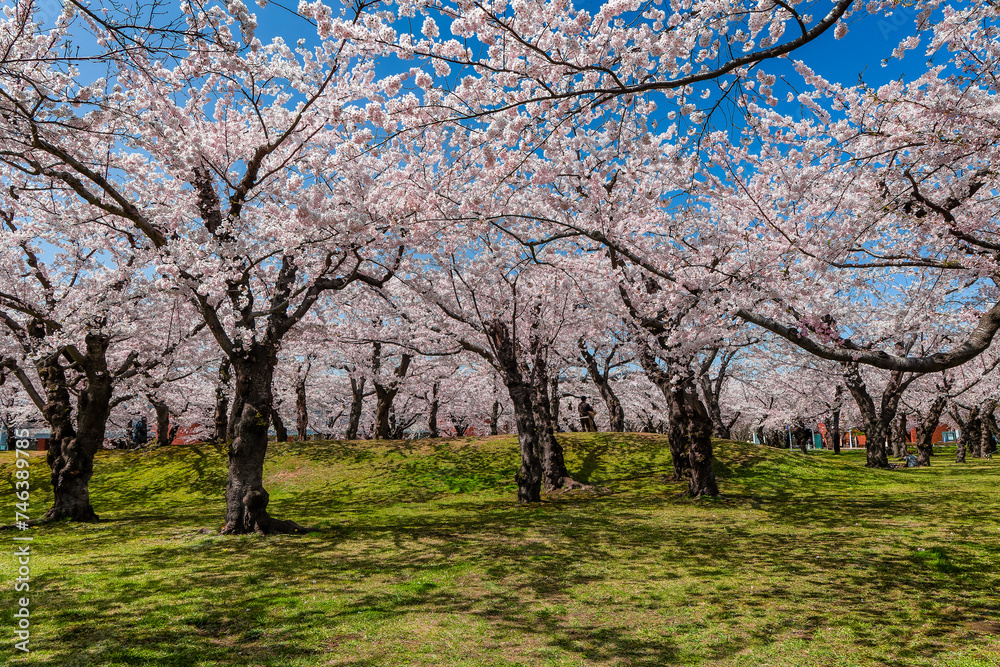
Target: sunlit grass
x=424, y=558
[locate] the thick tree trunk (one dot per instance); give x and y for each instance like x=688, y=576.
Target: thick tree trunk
x=972, y=433
x=925, y=431
x=162, y=421
x=71, y=452
x=386, y=393
x=875, y=430
x=246, y=499
x=529, y=476
x=357, y=403
x=702, y=482
x=678, y=419
x=990, y=429
x=301, y=409
x=554, y=473
x=677, y=433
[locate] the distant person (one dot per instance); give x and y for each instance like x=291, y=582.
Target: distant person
x=140, y=432
x=911, y=460
x=587, y=414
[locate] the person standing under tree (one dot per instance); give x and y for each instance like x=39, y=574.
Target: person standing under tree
x=587, y=414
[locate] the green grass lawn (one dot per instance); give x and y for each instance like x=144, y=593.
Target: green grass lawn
x=424, y=558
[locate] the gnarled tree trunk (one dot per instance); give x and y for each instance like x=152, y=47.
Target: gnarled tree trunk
x=386, y=392
x=357, y=403
x=925, y=431
x=71, y=452
x=246, y=498
x=529, y=476
x=162, y=422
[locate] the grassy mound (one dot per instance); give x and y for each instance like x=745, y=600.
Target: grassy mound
x=424, y=558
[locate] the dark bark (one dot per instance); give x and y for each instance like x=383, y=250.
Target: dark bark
x=833, y=422
x=357, y=403
x=877, y=424
x=990, y=428
x=280, y=432
x=677, y=415
x=432, y=411
x=702, y=481
x=71, y=452
x=776, y=438
x=301, y=407
x=221, y=432
x=386, y=392
x=554, y=473
x=711, y=391
x=600, y=378
x=800, y=436
x=246, y=498
x=925, y=431
x=162, y=421
x=495, y=418
x=900, y=437
x=459, y=424
x=529, y=476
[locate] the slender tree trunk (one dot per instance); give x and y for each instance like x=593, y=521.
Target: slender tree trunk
x=900, y=438
x=495, y=418
x=833, y=426
x=357, y=404
x=432, y=411
x=71, y=452
x=529, y=476
x=926, y=429
x=719, y=426
x=221, y=415
x=301, y=409
x=616, y=415
x=246, y=498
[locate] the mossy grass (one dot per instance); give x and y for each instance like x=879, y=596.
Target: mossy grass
x=424, y=558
